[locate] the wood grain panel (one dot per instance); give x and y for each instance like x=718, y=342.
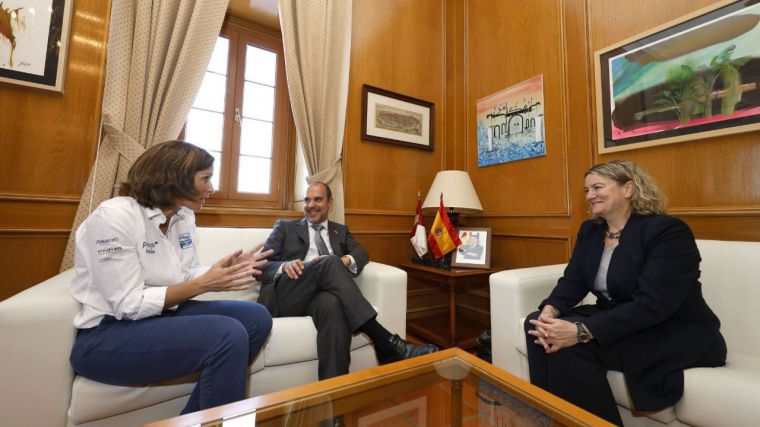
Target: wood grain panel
x=48, y=139
x=507, y=43
x=510, y=252
x=25, y=212
x=29, y=258
x=720, y=172
x=400, y=46
x=386, y=248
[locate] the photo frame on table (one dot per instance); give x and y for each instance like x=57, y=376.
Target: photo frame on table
x=34, y=42
x=397, y=119
x=692, y=78
x=475, y=250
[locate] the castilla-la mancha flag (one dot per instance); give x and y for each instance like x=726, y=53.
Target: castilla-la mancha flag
x=443, y=238
x=417, y=236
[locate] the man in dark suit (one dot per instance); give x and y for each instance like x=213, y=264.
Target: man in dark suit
x=473, y=249
x=311, y=273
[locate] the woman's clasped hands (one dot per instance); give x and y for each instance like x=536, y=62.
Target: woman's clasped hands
x=551, y=333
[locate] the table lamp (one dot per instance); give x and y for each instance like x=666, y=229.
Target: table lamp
x=459, y=194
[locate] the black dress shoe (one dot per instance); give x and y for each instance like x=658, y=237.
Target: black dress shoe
x=405, y=350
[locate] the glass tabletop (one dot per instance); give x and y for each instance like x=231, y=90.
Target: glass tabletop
x=448, y=388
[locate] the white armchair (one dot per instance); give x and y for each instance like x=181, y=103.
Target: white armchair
x=724, y=396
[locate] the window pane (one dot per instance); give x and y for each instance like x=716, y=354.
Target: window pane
x=260, y=65
x=254, y=175
x=205, y=129
x=211, y=94
x=219, y=56
x=256, y=138
x=217, y=169
x=258, y=101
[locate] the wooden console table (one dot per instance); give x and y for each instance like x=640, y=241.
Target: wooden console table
x=462, y=331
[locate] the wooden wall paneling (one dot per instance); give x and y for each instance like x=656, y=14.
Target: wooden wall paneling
x=396, y=45
x=519, y=251
x=455, y=128
x=36, y=213
x=29, y=257
x=48, y=139
x=508, y=43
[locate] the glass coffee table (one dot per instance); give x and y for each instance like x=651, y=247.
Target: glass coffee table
x=448, y=388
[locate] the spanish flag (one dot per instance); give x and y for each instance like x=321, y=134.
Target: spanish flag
x=443, y=238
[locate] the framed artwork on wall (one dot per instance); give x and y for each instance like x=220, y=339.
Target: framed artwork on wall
x=510, y=123
x=693, y=78
x=475, y=250
x=397, y=119
x=34, y=37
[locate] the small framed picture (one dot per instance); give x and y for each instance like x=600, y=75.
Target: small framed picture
x=397, y=119
x=475, y=250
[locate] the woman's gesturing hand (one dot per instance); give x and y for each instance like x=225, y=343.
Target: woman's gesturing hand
x=231, y=273
x=554, y=334
x=254, y=257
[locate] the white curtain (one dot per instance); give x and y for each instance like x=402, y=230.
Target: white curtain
x=158, y=51
x=316, y=37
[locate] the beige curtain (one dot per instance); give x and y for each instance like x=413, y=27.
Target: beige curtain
x=158, y=51
x=316, y=37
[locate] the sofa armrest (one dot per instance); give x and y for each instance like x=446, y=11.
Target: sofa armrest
x=515, y=294
x=36, y=335
x=384, y=287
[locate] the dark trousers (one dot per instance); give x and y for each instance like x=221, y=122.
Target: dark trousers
x=218, y=338
x=326, y=291
x=577, y=374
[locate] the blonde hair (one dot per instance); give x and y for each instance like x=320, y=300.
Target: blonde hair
x=647, y=198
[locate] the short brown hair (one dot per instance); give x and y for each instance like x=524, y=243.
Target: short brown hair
x=165, y=173
x=647, y=198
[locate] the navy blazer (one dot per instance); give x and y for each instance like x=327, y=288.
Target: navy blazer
x=656, y=311
x=290, y=241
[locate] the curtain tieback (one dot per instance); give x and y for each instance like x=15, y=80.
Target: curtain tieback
x=325, y=175
x=116, y=139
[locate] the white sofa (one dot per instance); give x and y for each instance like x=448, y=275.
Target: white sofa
x=39, y=388
x=724, y=396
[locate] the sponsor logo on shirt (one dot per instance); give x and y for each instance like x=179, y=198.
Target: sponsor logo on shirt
x=107, y=247
x=185, y=241
x=150, y=247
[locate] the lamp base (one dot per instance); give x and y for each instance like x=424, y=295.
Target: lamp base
x=444, y=263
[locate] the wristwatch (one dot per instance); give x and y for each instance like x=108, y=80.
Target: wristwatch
x=583, y=336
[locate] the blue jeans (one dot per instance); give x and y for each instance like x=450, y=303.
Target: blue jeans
x=218, y=338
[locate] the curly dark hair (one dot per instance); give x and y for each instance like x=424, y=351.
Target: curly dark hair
x=165, y=173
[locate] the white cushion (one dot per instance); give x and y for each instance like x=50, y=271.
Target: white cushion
x=725, y=396
x=92, y=400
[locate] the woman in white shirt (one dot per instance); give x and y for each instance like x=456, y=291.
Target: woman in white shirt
x=136, y=272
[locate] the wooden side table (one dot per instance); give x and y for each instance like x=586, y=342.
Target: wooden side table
x=459, y=331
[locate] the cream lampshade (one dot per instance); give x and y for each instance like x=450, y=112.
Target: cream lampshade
x=458, y=193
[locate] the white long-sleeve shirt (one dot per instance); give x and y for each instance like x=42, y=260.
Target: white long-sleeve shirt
x=124, y=263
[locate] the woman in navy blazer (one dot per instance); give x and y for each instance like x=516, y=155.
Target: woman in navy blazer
x=650, y=321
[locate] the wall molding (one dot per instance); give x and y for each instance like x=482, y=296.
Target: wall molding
x=37, y=231
x=39, y=198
